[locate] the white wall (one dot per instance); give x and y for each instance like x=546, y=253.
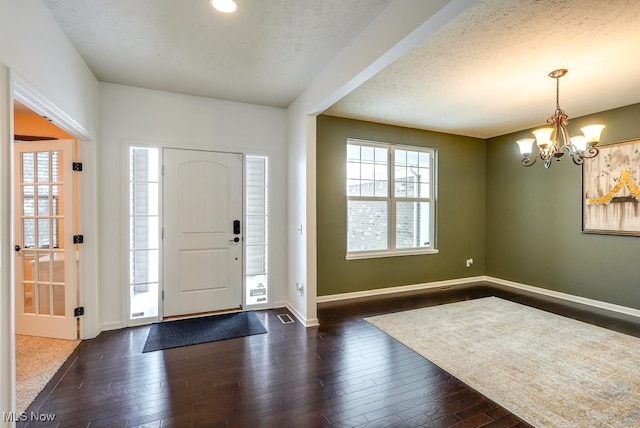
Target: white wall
x=33, y=47
x=131, y=115
x=399, y=28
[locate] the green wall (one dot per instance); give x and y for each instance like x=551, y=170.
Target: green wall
x=534, y=222
x=460, y=210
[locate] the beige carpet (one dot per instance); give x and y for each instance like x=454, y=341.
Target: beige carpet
x=550, y=370
x=37, y=360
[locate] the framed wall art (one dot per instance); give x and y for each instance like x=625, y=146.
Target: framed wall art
x=611, y=190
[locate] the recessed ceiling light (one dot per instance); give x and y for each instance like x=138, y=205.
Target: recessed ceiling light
x=224, y=6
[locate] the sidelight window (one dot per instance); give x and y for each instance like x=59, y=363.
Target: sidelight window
x=144, y=239
x=256, y=236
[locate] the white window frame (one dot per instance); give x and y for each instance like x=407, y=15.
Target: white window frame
x=391, y=199
x=146, y=318
x=265, y=244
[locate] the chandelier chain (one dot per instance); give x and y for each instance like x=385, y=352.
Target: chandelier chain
x=557, y=93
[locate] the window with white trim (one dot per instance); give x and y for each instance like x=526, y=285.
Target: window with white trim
x=390, y=199
x=144, y=231
x=256, y=231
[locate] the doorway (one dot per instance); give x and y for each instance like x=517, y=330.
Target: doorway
x=45, y=268
x=202, y=232
x=33, y=117
x=45, y=222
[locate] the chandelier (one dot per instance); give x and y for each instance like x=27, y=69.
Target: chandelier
x=548, y=138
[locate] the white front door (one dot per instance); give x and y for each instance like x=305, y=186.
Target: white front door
x=46, y=256
x=202, y=244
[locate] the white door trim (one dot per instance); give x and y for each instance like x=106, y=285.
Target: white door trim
x=31, y=98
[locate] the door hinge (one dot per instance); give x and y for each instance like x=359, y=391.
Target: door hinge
x=78, y=239
x=162, y=171
x=162, y=233
x=79, y=311
x=162, y=294
x=77, y=166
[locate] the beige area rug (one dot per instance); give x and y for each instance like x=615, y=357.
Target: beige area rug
x=37, y=360
x=550, y=370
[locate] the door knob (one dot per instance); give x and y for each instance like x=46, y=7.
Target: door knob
x=236, y=239
x=17, y=248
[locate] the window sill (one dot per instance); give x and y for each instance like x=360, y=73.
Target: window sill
x=380, y=254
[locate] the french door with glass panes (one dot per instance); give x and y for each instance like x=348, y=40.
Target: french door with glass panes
x=46, y=256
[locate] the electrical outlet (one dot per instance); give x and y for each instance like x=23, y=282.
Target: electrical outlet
x=469, y=262
x=299, y=288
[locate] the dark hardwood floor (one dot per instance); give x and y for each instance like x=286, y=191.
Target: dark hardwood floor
x=344, y=373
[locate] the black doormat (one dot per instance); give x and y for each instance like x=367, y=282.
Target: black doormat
x=174, y=334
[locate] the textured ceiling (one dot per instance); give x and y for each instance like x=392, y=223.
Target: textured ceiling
x=483, y=74
x=486, y=72
x=266, y=53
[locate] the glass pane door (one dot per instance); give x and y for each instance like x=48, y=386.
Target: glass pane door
x=46, y=256
x=43, y=273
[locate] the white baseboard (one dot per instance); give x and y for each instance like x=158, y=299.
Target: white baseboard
x=564, y=296
x=313, y=322
x=113, y=325
x=400, y=289
x=303, y=320
x=280, y=304
x=481, y=279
